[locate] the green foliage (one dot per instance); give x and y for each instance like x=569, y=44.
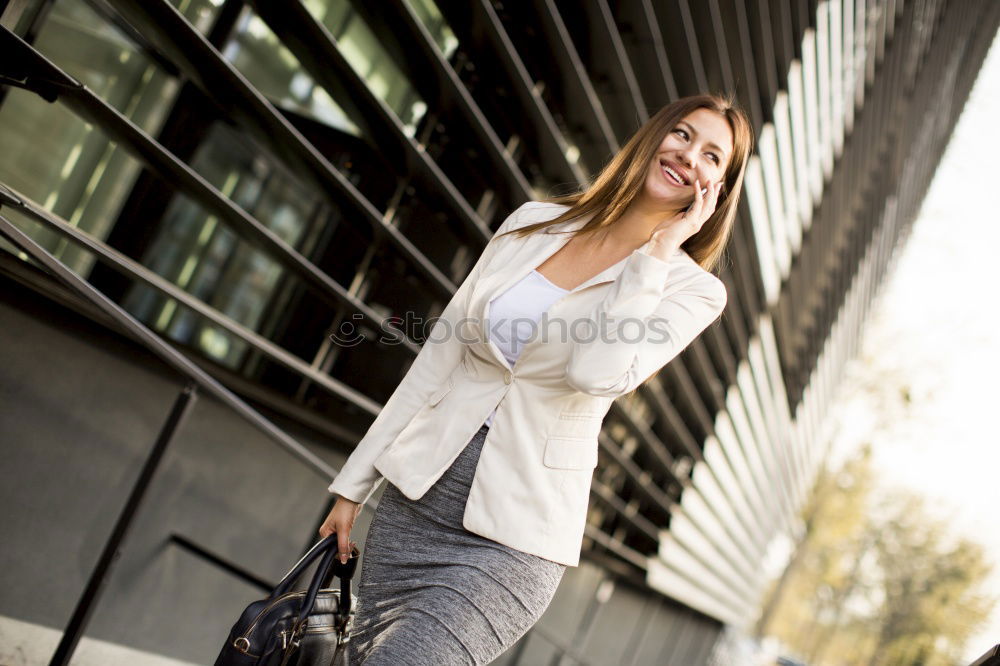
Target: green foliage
x=875, y=580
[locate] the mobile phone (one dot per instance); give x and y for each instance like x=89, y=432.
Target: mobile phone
x=704, y=191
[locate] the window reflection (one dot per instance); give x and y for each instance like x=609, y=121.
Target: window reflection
x=103, y=59
x=434, y=21
x=58, y=160
x=274, y=70
x=199, y=13
x=198, y=253
x=363, y=50
x=261, y=57
x=22, y=16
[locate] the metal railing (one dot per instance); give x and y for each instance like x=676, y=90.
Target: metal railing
x=197, y=379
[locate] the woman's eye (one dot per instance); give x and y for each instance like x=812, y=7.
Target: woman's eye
x=715, y=158
x=681, y=132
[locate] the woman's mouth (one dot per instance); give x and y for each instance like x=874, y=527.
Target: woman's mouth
x=671, y=175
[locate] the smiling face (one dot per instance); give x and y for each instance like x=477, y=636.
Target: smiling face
x=698, y=147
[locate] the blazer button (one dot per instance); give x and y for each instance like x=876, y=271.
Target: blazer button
x=507, y=377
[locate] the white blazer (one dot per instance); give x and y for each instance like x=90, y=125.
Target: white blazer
x=531, y=488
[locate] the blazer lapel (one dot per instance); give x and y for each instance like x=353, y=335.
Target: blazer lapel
x=540, y=246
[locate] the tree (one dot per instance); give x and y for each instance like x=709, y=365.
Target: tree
x=932, y=601
x=875, y=580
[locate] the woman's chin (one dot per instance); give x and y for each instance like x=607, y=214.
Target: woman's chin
x=670, y=201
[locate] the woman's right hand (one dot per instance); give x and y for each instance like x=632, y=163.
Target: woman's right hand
x=672, y=232
x=340, y=520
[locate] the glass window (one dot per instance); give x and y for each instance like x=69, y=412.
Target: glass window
x=22, y=15
x=93, y=51
x=63, y=163
x=362, y=48
x=28, y=225
x=205, y=258
x=199, y=13
x=66, y=166
x=434, y=21
x=258, y=53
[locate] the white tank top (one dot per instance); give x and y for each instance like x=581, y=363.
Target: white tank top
x=525, y=301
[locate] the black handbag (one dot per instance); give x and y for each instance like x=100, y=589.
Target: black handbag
x=300, y=628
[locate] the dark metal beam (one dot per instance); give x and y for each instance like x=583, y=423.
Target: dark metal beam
x=607, y=61
x=25, y=67
x=479, y=27
x=415, y=50
x=647, y=52
x=139, y=273
x=316, y=48
x=580, y=103
x=680, y=36
x=225, y=85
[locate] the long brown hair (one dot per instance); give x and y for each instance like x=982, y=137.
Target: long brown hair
x=622, y=179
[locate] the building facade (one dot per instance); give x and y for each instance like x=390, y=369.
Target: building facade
x=250, y=179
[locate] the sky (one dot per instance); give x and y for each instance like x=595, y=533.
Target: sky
x=934, y=332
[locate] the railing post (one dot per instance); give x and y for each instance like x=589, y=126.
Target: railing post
x=112, y=548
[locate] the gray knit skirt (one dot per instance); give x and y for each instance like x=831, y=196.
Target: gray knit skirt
x=433, y=593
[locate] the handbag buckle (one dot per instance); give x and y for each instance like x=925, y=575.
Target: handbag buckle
x=242, y=644
x=293, y=637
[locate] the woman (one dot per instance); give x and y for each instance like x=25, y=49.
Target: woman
x=458, y=564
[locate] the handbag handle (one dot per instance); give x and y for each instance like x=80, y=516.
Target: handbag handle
x=310, y=556
x=328, y=566
x=307, y=601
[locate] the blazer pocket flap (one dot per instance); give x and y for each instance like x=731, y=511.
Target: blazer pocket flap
x=441, y=392
x=570, y=452
x=578, y=425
